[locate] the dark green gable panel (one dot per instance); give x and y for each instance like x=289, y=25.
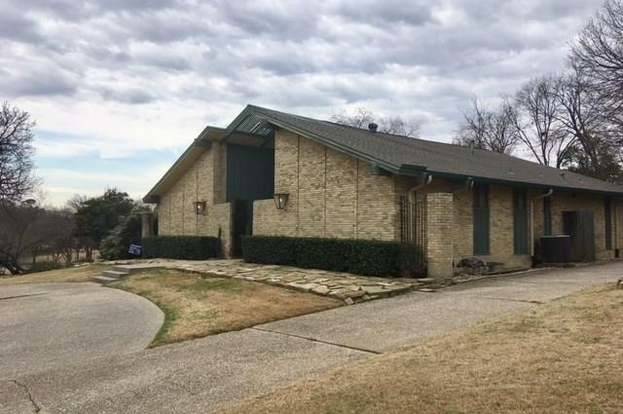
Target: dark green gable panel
x=250, y=173
x=481, y=219
x=520, y=222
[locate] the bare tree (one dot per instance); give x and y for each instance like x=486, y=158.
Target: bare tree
x=398, y=126
x=27, y=230
x=598, y=53
x=16, y=152
x=581, y=116
x=492, y=130
x=537, y=121
x=362, y=117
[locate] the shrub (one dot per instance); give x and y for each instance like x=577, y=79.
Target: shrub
x=366, y=257
x=182, y=247
x=115, y=245
x=326, y=254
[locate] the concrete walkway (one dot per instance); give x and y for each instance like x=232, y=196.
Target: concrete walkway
x=209, y=374
x=44, y=326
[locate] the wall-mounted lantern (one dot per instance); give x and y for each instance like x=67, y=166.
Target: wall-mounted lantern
x=200, y=208
x=281, y=199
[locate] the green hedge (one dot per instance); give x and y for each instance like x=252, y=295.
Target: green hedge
x=365, y=257
x=182, y=247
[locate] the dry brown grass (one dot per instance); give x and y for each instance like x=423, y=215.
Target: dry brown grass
x=197, y=305
x=73, y=274
x=563, y=357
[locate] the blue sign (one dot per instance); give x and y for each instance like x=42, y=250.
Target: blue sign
x=135, y=250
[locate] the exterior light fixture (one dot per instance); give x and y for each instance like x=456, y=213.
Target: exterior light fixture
x=200, y=208
x=281, y=199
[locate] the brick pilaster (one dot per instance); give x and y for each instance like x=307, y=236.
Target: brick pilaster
x=440, y=234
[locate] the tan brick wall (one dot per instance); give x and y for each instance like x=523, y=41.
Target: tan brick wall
x=463, y=224
x=204, y=181
x=500, y=225
x=330, y=195
x=341, y=206
x=440, y=232
x=312, y=188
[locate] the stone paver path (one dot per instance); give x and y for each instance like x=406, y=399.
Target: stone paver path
x=345, y=286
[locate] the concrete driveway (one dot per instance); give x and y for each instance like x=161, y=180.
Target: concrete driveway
x=45, y=326
x=209, y=374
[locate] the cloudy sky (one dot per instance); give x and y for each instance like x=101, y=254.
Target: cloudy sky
x=120, y=87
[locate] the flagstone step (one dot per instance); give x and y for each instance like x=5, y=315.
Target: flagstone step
x=105, y=279
x=117, y=274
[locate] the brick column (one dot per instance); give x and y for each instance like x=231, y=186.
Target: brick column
x=440, y=234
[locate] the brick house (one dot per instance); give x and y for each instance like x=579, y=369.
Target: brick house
x=336, y=181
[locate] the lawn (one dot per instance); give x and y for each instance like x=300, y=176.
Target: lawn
x=197, y=305
x=562, y=357
x=82, y=273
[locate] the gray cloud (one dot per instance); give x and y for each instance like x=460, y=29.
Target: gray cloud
x=37, y=81
x=14, y=26
x=130, y=96
x=422, y=58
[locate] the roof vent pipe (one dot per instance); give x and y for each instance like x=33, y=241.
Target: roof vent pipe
x=372, y=127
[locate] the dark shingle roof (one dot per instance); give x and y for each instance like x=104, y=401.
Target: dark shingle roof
x=411, y=156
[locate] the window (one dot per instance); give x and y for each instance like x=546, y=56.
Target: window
x=520, y=222
x=608, y=222
x=547, y=216
x=481, y=219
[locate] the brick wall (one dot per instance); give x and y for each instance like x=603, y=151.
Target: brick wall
x=330, y=195
x=204, y=181
x=440, y=230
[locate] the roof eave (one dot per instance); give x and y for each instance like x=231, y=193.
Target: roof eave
x=524, y=184
x=153, y=195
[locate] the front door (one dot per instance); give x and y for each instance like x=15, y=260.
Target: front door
x=580, y=225
x=242, y=224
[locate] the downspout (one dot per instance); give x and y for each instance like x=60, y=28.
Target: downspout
x=411, y=191
x=547, y=194
x=411, y=199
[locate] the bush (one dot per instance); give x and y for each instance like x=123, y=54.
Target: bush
x=365, y=257
x=115, y=245
x=45, y=266
x=182, y=247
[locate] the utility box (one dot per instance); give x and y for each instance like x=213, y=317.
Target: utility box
x=556, y=249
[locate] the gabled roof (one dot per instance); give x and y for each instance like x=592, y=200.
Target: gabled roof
x=184, y=162
x=410, y=156
x=394, y=153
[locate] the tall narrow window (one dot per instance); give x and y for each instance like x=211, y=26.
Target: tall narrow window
x=481, y=219
x=520, y=222
x=608, y=222
x=547, y=216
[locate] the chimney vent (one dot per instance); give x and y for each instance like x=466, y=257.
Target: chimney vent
x=372, y=127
